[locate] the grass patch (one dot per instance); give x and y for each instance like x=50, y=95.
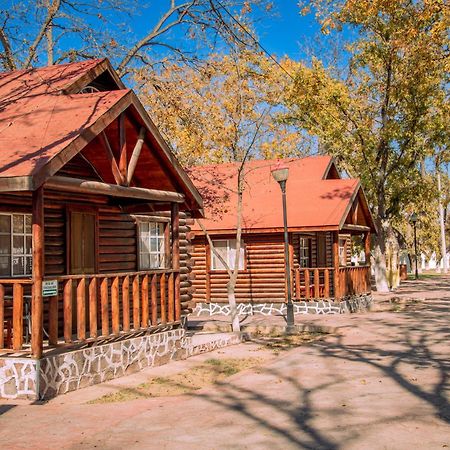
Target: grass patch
x=284, y=342
x=212, y=371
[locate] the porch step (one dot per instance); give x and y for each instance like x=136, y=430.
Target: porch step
x=260, y=325
x=204, y=342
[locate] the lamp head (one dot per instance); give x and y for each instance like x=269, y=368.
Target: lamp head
x=413, y=218
x=280, y=172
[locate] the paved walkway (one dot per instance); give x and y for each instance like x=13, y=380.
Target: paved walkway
x=381, y=382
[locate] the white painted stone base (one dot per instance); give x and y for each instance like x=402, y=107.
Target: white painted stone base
x=346, y=305
x=17, y=378
x=65, y=372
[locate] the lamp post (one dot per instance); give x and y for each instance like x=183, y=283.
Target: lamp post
x=280, y=174
x=413, y=219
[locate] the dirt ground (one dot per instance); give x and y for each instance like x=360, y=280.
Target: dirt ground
x=381, y=381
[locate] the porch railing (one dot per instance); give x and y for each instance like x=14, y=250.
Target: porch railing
x=354, y=280
x=313, y=283
x=15, y=319
x=90, y=307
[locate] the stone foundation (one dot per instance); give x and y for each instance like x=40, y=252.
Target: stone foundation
x=17, y=378
x=72, y=370
x=347, y=305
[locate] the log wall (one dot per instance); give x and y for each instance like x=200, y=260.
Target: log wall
x=262, y=281
x=117, y=230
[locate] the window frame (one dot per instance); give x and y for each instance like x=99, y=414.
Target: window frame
x=243, y=249
x=164, y=237
x=343, y=257
x=24, y=235
x=301, y=247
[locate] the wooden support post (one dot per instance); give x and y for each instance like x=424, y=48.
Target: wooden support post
x=126, y=303
x=326, y=282
x=335, y=251
x=367, y=247
x=53, y=320
x=67, y=295
x=162, y=286
x=81, y=309
x=145, y=307
x=104, y=306
x=154, y=299
x=2, y=316
x=37, y=306
x=316, y=284
x=307, y=284
x=18, y=316
x=170, y=298
x=208, y=274
x=135, y=155
x=93, y=308
x=115, y=315
x=136, y=303
x=123, y=163
x=175, y=225
x=297, y=284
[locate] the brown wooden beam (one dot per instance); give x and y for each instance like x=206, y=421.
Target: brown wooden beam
x=175, y=232
x=37, y=306
x=123, y=163
x=96, y=187
x=109, y=153
x=367, y=247
x=355, y=228
x=337, y=293
x=135, y=155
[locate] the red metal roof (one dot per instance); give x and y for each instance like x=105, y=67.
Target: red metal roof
x=45, y=121
x=37, y=121
x=312, y=201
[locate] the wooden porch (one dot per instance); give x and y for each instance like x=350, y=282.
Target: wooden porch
x=108, y=306
x=326, y=282
x=89, y=307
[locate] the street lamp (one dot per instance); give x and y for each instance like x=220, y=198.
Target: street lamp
x=280, y=173
x=413, y=220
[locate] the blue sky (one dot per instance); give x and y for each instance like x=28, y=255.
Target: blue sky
x=286, y=32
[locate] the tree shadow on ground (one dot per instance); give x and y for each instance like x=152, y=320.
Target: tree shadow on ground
x=400, y=347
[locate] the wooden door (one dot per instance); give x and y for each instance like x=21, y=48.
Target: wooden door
x=82, y=241
x=321, y=250
x=83, y=255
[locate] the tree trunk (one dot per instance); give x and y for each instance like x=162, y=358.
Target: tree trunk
x=379, y=259
x=442, y=224
x=235, y=325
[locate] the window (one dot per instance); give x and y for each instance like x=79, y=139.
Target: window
x=15, y=245
x=227, y=250
x=305, y=252
x=342, y=252
x=152, y=253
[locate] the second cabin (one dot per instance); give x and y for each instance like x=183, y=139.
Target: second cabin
x=328, y=222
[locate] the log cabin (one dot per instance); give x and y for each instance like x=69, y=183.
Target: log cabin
x=94, y=268
x=328, y=220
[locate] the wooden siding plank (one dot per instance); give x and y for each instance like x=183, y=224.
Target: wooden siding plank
x=154, y=299
x=17, y=316
x=81, y=309
x=104, y=306
x=115, y=312
x=145, y=305
x=93, y=326
x=136, y=303
x=126, y=303
x=67, y=295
